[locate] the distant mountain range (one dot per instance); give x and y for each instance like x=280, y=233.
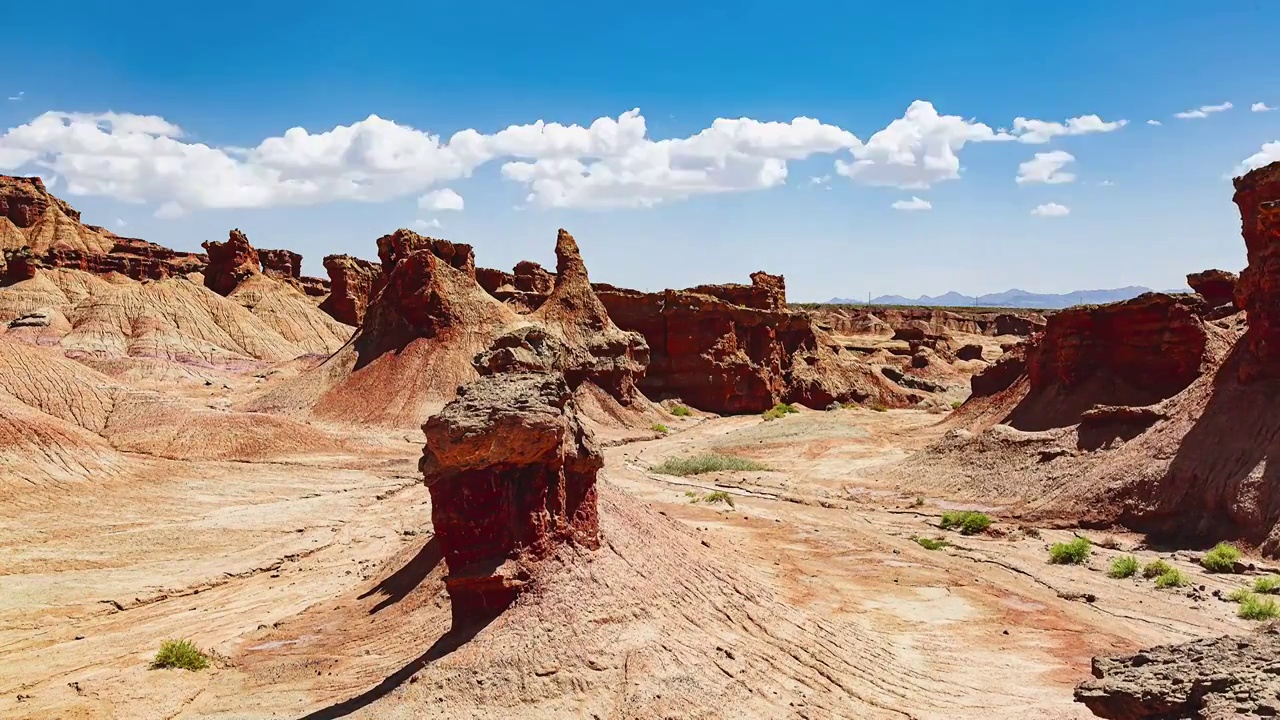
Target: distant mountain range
x=1009, y=299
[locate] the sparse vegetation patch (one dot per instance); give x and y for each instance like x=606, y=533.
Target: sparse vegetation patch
x=1256, y=607
x=879, y=407
x=1268, y=585
x=1070, y=553
x=1172, y=578
x=779, y=410
x=705, y=463
x=1155, y=569
x=681, y=411
x=931, y=543
x=1123, y=567
x=1221, y=559
x=660, y=428
x=182, y=654
x=967, y=522
x=716, y=497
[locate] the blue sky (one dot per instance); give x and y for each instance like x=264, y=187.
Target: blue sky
x=1146, y=205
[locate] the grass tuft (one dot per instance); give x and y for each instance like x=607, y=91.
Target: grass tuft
x=931, y=543
x=779, y=410
x=879, y=407
x=1256, y=607
x=967, y=522
x=705, y=463
x=1172, y=579
x=180, y=654
x=955, y=404
x=1123, y=567
x=1267, y=585
x=1239, y=594
x=660, y=428
x=681, y=411
x=1155, y=568
x=1070, y=553
x=1221, y=559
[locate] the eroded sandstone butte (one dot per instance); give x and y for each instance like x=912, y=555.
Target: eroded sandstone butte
x=1258, y=197
x=511, y=471
x=351, y=280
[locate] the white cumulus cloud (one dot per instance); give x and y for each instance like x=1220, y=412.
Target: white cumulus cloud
x=442, y=199
x=431, y=224
x=1050, y=210
x=1269, y=153
x=1203, y=111
x=1040, y=131
x=1154, y=122
x=1046, y=168
x=914, y=203
x=1260, y=107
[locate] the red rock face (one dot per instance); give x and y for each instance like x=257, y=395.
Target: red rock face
x=1000, y=375
x=351, y=282
x=529, y=277
x=766, y=292
x=230, y=262
x=1146, y=349
x=1258, y=291
x=402, y=243
x=281, y=264
x=512, y=473
x=1217, y=287
x=24, y=200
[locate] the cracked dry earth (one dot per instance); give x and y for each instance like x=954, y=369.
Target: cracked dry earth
x=317, y=585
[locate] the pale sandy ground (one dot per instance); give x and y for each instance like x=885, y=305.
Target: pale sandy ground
x=244, y=557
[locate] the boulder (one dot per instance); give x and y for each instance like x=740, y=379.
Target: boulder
x=511, y=471
x=1217, y=287
x=351, y=282
x=1233, y=676
x=230, y=263
x=1258, y=290
x=970, y=351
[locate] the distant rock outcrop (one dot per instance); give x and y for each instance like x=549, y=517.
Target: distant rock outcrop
x=511, y=471
x=1217, y=287
x=230, y=262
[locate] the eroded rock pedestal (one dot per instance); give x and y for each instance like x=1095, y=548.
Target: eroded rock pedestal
x=511, y=471
x=1258, y=197
x=1227, y=677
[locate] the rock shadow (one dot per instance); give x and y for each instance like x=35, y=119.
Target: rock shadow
x=403, y=581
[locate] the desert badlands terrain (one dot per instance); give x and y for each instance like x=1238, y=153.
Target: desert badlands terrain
x=421, y=488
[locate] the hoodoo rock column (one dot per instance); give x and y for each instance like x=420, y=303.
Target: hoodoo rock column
x=511, y=471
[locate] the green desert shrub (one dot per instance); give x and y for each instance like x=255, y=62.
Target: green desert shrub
x=1123, y=567
x=1221, y=559
x=967, y=522
x=1172, y=578
x=955, y=404
x=660, y=428
x=705, y=463
x=1155, y=569
x=779, y=410
x=1256, y=607
x=180, y=654
x=681, y=411
x=879, y=407
x=1267, y=585
x=1239, y=594
x=717, y=497
x=931, y=543
x=1070, y=553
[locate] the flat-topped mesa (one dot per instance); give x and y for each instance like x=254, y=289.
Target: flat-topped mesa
x=230, y=262
x=1258, y=290
x=400, y=244
x=351, y=282
x=766, y=292
x=511, y=471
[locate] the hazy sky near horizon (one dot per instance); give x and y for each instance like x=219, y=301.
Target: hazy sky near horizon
x=854, y=147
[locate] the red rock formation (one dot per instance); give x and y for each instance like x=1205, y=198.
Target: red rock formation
x=1000, y=375
x=351, y=281
x=18, y=265
x=1146, y=349
x=766, y=292
x=969, y=352
x=529, y=277
x=1258, y=290
x=24, y=201
x=281, y=264
x=511, y=471
x=230, y=262
x=402, y=243
x=1021, y=325
x=1217, y=287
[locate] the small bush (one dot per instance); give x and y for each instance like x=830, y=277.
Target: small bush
x=1155, y=568
x=1269, y=585
x=1123, y=567
x=1221, y=559
x=705, y=463
x=779, y=410
x=918, y=502
x=681, y=411
x=955, y=404
x=967, y=522
x=879, y=407
x=931, y=543
x=717, y=497
x=1109, y=542
x=1255, y=607
x=849, y=406
x=1239, y=594
x=1172, y=579
x=180, y=654
x=1070, y=553
x=660, y=428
